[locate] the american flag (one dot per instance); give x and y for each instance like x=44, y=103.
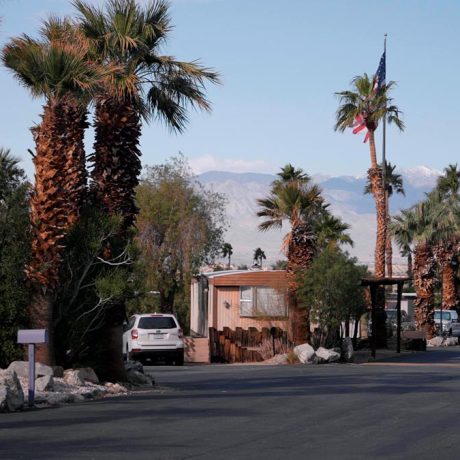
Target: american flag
x=359, y=125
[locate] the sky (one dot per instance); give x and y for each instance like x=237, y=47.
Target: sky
x=281, y=64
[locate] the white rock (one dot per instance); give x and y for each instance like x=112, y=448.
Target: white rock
x=329, y=356
x=435, y=342
x=304, y=352
x=11, y=394
x=88, y=374
x=450, y=342
x=45, y=383
x=134, y=366
x=73, y=377
x=347, y=349
x=115, y=388
x=22, y=369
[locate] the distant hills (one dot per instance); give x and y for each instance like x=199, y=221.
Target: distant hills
x=344, y=193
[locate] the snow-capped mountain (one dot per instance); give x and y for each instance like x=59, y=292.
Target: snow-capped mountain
x=344, y=193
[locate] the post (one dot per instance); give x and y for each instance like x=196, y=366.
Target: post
x=30, y=337
x=31, y=374
x=374, y=288
x=398, y=309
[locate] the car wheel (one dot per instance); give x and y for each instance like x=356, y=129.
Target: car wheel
x=179, y=358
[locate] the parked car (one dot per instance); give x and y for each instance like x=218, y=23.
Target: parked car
x=152, y=336
x=450, y=323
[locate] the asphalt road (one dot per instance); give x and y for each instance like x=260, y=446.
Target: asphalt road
x=405, y=408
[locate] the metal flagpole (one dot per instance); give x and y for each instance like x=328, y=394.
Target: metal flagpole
x=384, y=161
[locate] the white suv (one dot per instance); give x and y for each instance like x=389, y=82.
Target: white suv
x=154, y=335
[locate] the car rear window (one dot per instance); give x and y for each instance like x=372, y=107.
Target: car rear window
x=157, y=322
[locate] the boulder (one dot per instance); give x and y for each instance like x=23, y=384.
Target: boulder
x=22, y=369
x=115, y=388
x=11, y=394
x=347, y=351
x=304, y=352
x=450, y=342
x=134, y=366
x=88, y=374
x=73, y=377
x=45, y=383
x=55, y=399
x=138, y=378
x=435, y=342
x=328, y=356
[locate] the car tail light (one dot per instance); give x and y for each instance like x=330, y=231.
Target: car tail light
x=134, y=334
x=180, y=333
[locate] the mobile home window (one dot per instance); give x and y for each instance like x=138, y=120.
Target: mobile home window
x=262, y=301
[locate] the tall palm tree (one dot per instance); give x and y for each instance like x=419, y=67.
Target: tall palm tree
x=373, y=105
x=394, y=184
x=331, y=232
x=55, y=68
x=227, y=251
x=259, y=256
x=149, y=86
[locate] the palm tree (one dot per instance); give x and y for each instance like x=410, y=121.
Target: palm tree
x=10, y=172
x=331, y=232
x=394, y=184
x=259, y=255
x=55, y=68
x=295, y=199
x=448, y=187
x=227, y=251
x=373, y=105
x=148, y=86
x=402, y=230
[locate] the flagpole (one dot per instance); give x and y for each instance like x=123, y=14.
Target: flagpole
x=384, y=161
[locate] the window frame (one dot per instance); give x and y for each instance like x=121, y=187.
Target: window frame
x=255, y=312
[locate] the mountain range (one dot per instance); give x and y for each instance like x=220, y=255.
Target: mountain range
x=344, y=193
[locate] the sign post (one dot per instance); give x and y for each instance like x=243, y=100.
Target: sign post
x=30, y=337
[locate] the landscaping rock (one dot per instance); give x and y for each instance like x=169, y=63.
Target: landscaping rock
x=328, y=356
x=450, y=342
x=138, y=378
x=74, y=377
x=45, y=383
x=134, y=366
x=435, y=342
x=22, y=369
x=347, y=352
x=304, y=352
x=56, y=399
x=88, y=374
x=115, y=388
x=11, y=394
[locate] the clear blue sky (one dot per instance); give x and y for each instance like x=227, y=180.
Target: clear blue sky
x=281, y=62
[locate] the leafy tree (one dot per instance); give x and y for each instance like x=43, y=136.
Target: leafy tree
x=259, y=256
x=180, y=226
x=331, y=291
x=373, y=105
x=15, y=250
x=279, y=265
x=227, y=251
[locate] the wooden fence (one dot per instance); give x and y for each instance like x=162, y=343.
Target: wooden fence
x=240, y=345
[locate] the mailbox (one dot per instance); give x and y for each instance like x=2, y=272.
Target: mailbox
x=32, y=336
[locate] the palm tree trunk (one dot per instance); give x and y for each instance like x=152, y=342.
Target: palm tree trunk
x=116, y=160
x=410, y=273
x=449, y=298
x=389, y=247
x=424, y=266
x=55, y=204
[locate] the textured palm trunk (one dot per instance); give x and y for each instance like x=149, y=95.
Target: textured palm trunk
x=60, y=181
x=300, y=252
x=389, y=247
x=424, y=273
x=116, y=161
x=449, y=296
x=115, y=176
